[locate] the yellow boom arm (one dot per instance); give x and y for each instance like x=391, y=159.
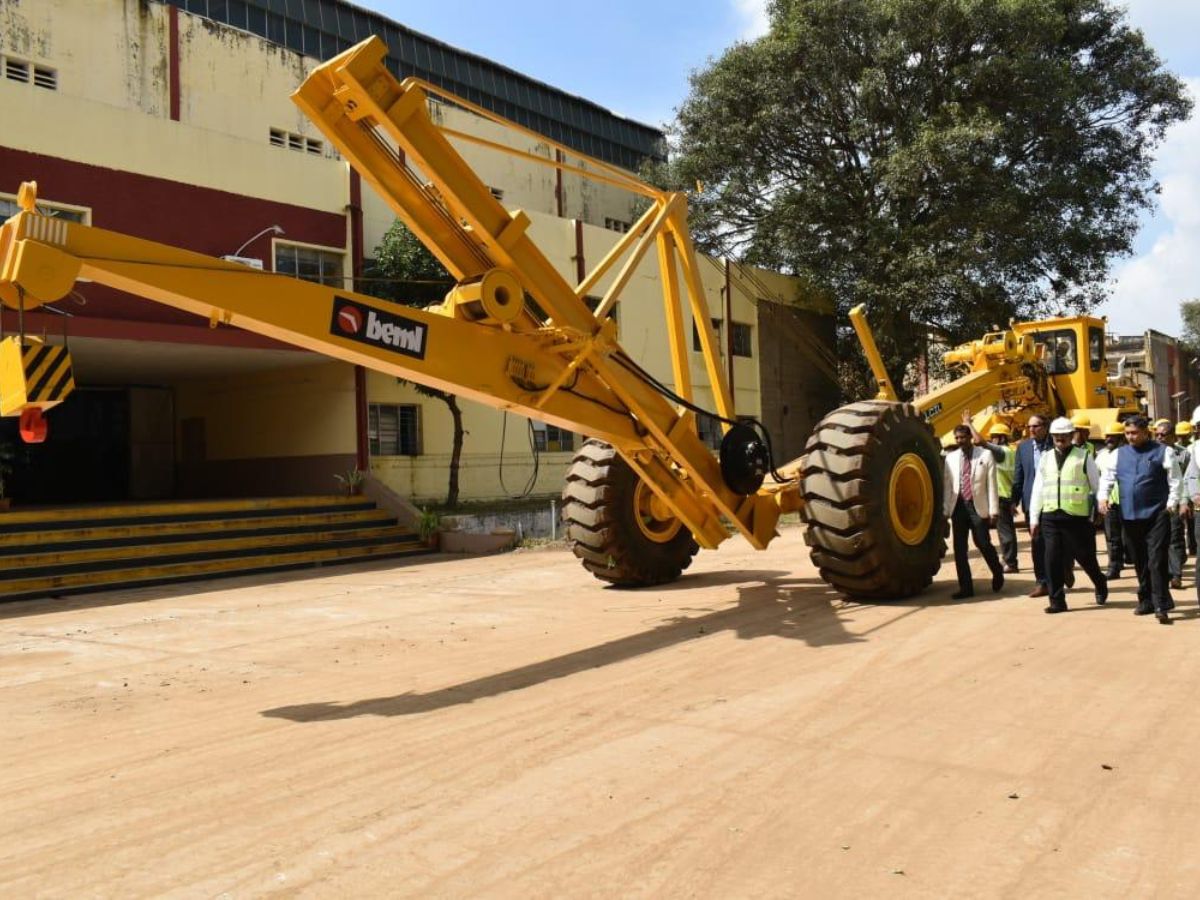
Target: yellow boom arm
x=482, y=342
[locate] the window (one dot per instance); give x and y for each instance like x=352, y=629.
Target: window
x=25, y=72
x=45, y=78
x=1096, y=349
x=593, y=303
x=716, y=324
x=742, y=340
x=309, y=263
x=549, y=439
x=298, y=142
x=1059, y=351
x=9, y=208
x=709, y=430
x=393, y=429
x=16, y=70
x=617, y=224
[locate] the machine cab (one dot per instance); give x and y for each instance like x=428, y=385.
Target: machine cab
x=1072, y=351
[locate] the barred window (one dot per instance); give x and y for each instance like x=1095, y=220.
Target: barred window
x=549, y=439
x=742, y=340
x=393, y=429
x=716, y=324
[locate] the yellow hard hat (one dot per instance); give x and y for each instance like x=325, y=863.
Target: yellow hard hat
x=999, y=428
x=1114, y=428
x=1183, y=428
x=1079, y=420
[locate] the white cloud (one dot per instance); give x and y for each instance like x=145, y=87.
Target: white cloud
x=752, y=14
x=1147, y=290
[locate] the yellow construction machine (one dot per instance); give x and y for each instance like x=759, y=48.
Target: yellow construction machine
x=644, y=492
x=1052, y=367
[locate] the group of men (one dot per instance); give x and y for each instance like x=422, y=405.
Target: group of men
x=1143, y=483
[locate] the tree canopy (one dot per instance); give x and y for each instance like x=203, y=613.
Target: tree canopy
x=1189, y=311
x=950, y=163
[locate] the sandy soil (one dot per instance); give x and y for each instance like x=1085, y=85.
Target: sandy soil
x=508, y=727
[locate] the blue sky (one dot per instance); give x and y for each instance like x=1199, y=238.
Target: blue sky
x=634, y=58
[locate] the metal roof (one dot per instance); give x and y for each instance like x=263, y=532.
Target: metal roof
x=324, y=28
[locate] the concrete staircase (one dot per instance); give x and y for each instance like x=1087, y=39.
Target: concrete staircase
x=67, y=550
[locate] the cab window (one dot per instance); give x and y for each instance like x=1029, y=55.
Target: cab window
x=1096, y=348
x=1059, y=350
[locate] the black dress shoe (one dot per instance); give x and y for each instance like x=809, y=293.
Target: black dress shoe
x=962, y=595
x=1102, y=597
x=1010, y=569
x=1052, y=609
x=1164, y=619
x=1110, y=574
x=1177, y=584
x=1040, y=591
x=997, y=581
x=1143, y=611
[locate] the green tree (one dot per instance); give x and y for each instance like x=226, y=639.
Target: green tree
x=406, y=272
x=950, y=163
x=1189, y=311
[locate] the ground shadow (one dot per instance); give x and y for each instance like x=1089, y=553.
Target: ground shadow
x=769, y=604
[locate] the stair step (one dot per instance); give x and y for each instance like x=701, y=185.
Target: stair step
x=156, y=531
x=144, y=576
x=96, y=558
x=73, y=517
x=175, y=510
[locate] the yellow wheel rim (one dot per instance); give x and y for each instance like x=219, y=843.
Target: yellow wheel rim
x=910, y=499
x=654, y=518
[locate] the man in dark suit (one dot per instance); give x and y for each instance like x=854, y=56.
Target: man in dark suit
x=1029, y=454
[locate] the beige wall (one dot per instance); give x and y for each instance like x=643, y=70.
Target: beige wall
x=306, y=411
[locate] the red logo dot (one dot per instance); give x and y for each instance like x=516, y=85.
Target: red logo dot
x=349, y=320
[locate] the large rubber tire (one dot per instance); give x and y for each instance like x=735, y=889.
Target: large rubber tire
x=862, y=470
x=599, y=509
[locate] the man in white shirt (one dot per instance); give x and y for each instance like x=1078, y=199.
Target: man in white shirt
x=972, y=503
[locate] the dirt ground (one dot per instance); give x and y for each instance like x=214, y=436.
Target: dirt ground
x=508, y=727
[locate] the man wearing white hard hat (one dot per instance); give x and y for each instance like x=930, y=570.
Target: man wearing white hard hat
x=1061, y=511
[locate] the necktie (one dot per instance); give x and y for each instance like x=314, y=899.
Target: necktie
x=965, y=481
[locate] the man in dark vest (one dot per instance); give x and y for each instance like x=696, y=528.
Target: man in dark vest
x=1149, y=486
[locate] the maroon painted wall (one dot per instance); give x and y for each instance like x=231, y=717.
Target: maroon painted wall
x=170, y=212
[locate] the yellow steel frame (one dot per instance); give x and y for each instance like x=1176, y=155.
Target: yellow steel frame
x=569, y=372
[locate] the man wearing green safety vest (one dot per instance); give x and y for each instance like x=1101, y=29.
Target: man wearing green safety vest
x=1061, y=509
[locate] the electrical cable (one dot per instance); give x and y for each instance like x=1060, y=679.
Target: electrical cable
x=529, y=485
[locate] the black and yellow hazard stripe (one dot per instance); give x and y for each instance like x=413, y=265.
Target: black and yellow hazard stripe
x=48, y=374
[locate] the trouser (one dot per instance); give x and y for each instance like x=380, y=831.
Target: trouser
x=1037, y=549
x=1114, y=537
x=1006, y=528
x=1177, y=554
x=1191, y=541
x=1147, y=540
x=966, y=520
x=1069, y=538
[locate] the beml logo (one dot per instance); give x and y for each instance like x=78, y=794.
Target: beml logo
x=378, y=327
x=349, y=320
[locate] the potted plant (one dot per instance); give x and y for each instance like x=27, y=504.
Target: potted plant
x=427, y=527
x=352, y=481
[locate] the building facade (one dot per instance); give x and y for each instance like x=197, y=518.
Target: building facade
x=172, y=121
